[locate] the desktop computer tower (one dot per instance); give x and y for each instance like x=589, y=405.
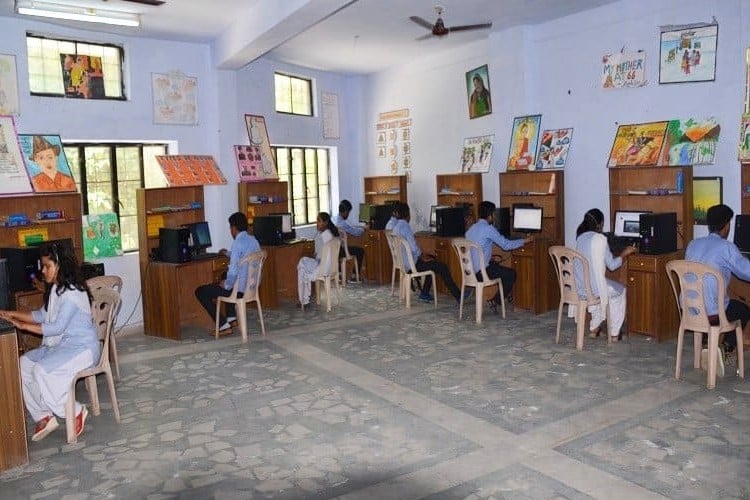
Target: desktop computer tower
x=23, y=266
x=174, y=244
x=658, y=233
x=742, y=232
x=502, y=221
x=381, y=216
x=92, y=269
x=4, y=288
x=451, y=221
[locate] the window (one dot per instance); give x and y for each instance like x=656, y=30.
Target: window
x=107, y=176
x=68, y=68
x=293, y=94
x=306, y=170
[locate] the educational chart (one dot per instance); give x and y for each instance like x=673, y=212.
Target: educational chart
x=261, y=146
x=393, y=141
x=9, y=101
x=190, y=170
x=250, y=164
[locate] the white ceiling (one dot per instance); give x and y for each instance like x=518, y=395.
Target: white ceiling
x=364, y=37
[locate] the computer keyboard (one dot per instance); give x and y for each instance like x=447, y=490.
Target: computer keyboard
x=294, y=241
x=205, y=256
x=5, y=325
x=619, y=243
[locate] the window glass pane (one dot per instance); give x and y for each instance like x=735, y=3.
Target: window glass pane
x=126, y=191
x=298, y=186
x=283, y=92
x=128, y=164
x=322, y=164
x=152, y=173
x=312, y=209
x=298, y=161
x=301, y=96
x=74, y=160
x=300, y=213
x=325, y=202
x=310, y=161
x=129, y=233
x=282, y=161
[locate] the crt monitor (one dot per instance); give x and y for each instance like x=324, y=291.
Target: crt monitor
x=627, y=223
x=527, y=219
x=366, y=212
x=287, y=225
x=451, y=221
x=433, y=214
x=200, y=236
x=267, y=229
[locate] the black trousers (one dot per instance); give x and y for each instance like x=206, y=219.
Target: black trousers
x=736, y=310
x=506, y=274
x=441, y=270
x=207, y=294
x=356, y=252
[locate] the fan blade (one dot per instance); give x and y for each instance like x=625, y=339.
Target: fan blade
x=468, y=27
x=424, y=37
x=421, y=22
x=154, y=3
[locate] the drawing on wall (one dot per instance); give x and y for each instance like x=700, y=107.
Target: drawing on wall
x=553, y=148
x=477, y=154
x=250, y=165
x=478, y=92
x=46, y=163
x=688, y=55
x=690, y=142
x=83, y=76
x=258, y=136
x=175, y=98
x=14, y=178
x=623, y=70
x=9, y=101
x=190, y=170
x=707, y=192
x=744, y=149
x=523, y=142
x=101, y=236
x=637, y=145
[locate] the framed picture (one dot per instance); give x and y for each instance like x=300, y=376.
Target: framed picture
x=706, y=193
x=250, y=165
x=523, y=141
x=190, y=170
x=46, y=163
x=478, y=92
x=83, y=77
x=258, y=135
x=744, y=149
x=553, y=148
x=175, y=98
x=637, y=145
x=688, y=55
x=477, y=154
x=14, y=178
x=9, y=101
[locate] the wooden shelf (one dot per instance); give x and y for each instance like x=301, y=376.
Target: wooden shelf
x=460, y=188
x=278, y=191
x=542, y=188
x=379, y=189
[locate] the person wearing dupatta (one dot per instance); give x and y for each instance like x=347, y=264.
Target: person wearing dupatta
x=69, y=342
x=592, y=244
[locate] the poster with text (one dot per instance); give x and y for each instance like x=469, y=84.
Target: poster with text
x=624, y=69
x=250, y=164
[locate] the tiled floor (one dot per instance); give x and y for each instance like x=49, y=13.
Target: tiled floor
x=376, y=401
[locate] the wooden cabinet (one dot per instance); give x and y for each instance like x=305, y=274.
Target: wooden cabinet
x=28, y=300
x=262, y=198
x=745, y=187
x=69, y=227
x=384, y=188
x=653, y=189
x=454, y=189
x=739, y=289
x=651, y=307
x=536, y=288
x=378, y=263
x=279, y=279
x=441, y=248
x=13, y=450
x=541, y=188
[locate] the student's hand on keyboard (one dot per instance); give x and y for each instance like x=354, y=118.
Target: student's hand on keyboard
x=629, y=250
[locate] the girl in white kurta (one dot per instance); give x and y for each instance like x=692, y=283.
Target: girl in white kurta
x=69, y=342
x=307, y=268
x=592, y=244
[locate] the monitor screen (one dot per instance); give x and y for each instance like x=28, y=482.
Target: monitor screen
x=527, y=219
x=366, y=212
x=433, y=214
x=628, y=223
x=200, y=235
x=286, y=222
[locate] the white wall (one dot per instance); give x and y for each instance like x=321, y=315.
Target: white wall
x=553, y=69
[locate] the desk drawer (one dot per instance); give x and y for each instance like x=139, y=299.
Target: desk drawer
x=220, y=264
x=642, y=263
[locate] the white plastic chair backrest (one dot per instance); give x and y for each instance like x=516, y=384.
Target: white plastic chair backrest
x=404, y=254
x=465, y=249
x=114, y=282
x=254, y=262
x=103, y=308
x=344, y=237
x=565, y=260
x=329, y=259
x=690, y=296
x=390, y=238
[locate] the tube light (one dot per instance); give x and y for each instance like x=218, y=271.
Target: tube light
x=76, y=13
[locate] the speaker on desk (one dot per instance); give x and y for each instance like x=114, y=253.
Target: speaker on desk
x=658, y=233
x=4, y=285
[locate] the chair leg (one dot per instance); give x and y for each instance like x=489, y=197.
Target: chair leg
x=113, y=355
x=328, y=294
x=434, y=289
x=461, y=303
x=70, y=417
x=713, y=352
x=740, y=353
x=342, y=272
x=242, y=320
x=559, y=319
x=93, y=390
x=260, y=317
x=581, y=324
x=356, y=271
x=393, y=280
x=501, y=292
x=479, y=291
x=218, y=312
x=113, y=394
x=407, y=291
x=697, y=348
x=678, y=357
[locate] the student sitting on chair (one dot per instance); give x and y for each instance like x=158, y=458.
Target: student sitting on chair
x=484, y=234
x=592, y=244
x=242, y=245
x=422, y=261
x=307, y=268
x=345, y=207
x=714, y=250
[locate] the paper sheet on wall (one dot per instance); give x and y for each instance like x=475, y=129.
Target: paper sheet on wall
x=330, y=113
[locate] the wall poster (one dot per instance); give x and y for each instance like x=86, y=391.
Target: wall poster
x=261, y=144
x=478, y=91
x=46, y=163
x=250, y=165
x=477, y=154
x=637, y=145
x=175, y=98
x=624, y=69
x=101, y=236
x=9, y=101
x=13, y=176
x=688, y=54
x=523, y=141
x=329, y=107
x=690, y=142
x=393, y=140
x=553, y=148
x=190, y=170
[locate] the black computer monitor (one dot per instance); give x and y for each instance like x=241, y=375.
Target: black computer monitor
x=63, y=243
x=742, y=233
x=174, y=244
x=501, y=221
x=366, y=212
x=23, y=265
x=267, y=229
x=468, y=207
x=200, y=236
x=433, y=214
x=287, y=225
x=527, y=219
x=451, y=221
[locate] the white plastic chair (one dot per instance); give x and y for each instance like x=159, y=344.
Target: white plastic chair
x=105, y=303
x=398, y=266
x=115, y=283
x=409, y=270
x=328, y=272
x=254, y=262
x=688, y=281
x=347, y=258
x=464, y=249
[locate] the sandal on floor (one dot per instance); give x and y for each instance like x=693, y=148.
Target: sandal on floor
x=595, y=333
x=617, y=338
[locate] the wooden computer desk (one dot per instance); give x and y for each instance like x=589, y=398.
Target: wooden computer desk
x=740, y=290
x=169, y=301
x=279, y=280
x=13, y=450
x=378, y=264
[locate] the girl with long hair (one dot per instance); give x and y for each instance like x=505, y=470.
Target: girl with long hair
x=308, y=267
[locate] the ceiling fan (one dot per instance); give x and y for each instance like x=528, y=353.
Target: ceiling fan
x=440, y=29
x=154, y=3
